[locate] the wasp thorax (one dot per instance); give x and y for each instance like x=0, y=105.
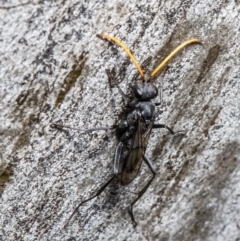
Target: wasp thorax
x=145, y=91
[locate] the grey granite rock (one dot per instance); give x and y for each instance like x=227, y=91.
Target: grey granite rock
x=45, y=78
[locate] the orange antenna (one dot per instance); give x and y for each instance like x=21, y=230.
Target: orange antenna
x=108, y=37
x=164, y=62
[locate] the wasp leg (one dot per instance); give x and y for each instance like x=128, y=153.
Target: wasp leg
x=117, y=158
x=90, y=198
x=148, y=162
x=111, y=79
x=160, y=96
x=59, y=126
x=156, y=126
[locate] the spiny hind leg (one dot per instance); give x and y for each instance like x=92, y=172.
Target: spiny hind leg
x=130, y=211
x=90, y=198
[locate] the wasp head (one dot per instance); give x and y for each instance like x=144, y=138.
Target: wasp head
x=144, y=91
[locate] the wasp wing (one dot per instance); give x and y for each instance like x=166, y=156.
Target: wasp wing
x=133, y=161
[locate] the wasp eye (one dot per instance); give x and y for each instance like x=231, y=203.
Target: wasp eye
x=137, y=92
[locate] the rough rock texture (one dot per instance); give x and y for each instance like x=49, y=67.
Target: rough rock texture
x=46, y=77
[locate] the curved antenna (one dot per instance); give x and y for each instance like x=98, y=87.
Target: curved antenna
x=181, y=46
x=108, y=37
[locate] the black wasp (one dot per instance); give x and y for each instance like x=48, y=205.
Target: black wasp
x=135, y=129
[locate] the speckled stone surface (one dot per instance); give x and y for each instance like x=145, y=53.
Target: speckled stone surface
x=46, y=77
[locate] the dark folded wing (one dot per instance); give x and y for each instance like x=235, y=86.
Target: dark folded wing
x=134, y=159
